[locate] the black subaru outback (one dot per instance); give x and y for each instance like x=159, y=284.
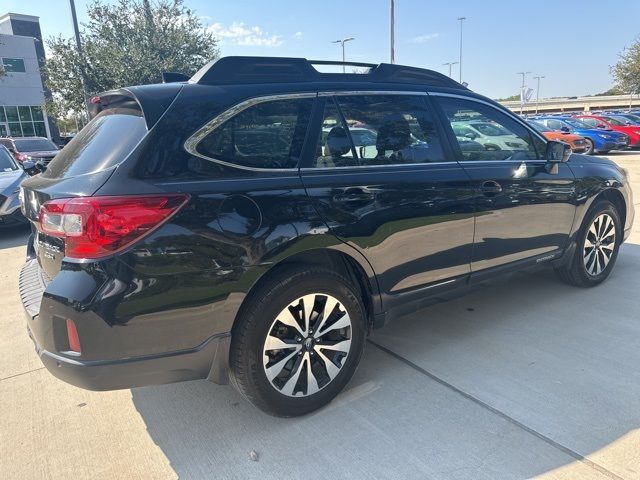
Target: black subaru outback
x=254, y=223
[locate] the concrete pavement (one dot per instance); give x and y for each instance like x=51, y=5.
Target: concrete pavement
x=523, y=377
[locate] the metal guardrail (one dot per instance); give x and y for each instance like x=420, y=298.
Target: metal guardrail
x=576, y=104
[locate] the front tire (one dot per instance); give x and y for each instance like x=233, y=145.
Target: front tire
x=298, y=341
x=597, y=247
x=590, y=150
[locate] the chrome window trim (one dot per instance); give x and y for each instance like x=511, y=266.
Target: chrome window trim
x=488, y=104
x=374, y=92
x=341, y=93
x=391, y=165
x=191, y=144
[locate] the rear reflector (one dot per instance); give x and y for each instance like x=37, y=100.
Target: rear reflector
x=93, y=227
x=72, y=334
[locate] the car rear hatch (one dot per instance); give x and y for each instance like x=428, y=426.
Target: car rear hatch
x=119, y=125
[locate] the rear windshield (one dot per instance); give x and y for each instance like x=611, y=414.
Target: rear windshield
x=103, y=143
x=7, y=163
x=34, y=145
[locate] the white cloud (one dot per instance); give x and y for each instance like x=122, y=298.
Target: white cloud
x=297, y=35
x=424, y=38
x=240, y=34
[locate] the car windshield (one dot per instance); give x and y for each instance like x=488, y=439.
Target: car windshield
x=7, y=163
x=632, y=118
x=576, y=123
x=34, y=145
x=490, y=129
x=539, y=127
x=617, y=121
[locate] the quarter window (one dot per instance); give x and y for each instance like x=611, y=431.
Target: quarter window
x=484, y=133
x=267, y=135
x=378, y=130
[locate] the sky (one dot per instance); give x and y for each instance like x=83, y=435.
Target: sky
x=572, y=43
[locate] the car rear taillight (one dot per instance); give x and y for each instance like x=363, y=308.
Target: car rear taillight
x=94, y=227
x=21, y=157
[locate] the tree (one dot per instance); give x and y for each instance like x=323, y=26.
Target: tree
x=627, y=71
x=130, y=42
x=512, y=98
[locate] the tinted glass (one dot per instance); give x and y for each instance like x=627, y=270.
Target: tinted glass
x=391, y=129
x=618, y=122
x=103, y=143
x=7, y=163
x=266, y=135
x=499, y=136
x=540, y=127
x=575, y=123
x=34, y=145
x=591, y=122
x=13, y=65
x=12, y=114
x=334, y=146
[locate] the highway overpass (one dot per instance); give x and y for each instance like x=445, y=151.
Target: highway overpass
x=576, y=104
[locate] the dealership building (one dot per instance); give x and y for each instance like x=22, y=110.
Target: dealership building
x=22, y=93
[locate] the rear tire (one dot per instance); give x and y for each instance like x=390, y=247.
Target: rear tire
x=277, y=362
x=598, y=243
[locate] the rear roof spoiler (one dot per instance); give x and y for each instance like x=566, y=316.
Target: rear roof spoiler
x=247, y=70
x=151, y=100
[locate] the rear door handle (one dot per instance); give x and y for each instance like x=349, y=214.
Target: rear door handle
x=491, y=187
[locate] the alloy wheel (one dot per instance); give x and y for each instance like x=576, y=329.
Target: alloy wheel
x=307, y=345
x=599, y=244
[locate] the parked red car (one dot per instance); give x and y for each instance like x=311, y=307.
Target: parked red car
x=606, y=121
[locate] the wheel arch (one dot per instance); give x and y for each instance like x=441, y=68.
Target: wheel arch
x=361, y=275
x=617, y=199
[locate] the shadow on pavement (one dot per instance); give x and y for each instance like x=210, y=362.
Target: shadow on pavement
x=556, y=365
x=13, y=236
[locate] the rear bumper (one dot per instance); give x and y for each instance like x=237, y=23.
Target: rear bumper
x=207, y=360
x=136, y=372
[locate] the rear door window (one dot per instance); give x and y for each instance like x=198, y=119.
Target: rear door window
x=268, y=135
x=105, y=142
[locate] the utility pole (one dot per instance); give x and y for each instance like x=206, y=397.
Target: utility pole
x=538, y=78
x=392, y=37
x=450, y=65
x=342, y=42
x=522, y=89
x=461, y=19
x=76, y=32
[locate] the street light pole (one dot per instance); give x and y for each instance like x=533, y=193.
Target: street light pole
x=522, y=89
x=76, y=31
x=460, y=19
x=392, y=28
x=538, y=78
x=342, y=42
x=450, y=65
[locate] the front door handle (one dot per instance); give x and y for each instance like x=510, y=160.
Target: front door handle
x=354, y=195
x=490, y=188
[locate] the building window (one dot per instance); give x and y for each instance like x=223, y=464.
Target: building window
x=13, y=65
x=22, y=121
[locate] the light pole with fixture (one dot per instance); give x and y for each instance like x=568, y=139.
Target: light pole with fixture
x=342, y=42
x=522, y=89
x=450, y=65
x=461, y=19
x=538, y=78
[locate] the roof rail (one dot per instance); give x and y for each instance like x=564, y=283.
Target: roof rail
x=248, y=70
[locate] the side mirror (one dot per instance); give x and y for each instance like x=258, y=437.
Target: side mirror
x=565, y=129
x=470, y=135
x=601, y=125
x=30, y=167
x=558, y=152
